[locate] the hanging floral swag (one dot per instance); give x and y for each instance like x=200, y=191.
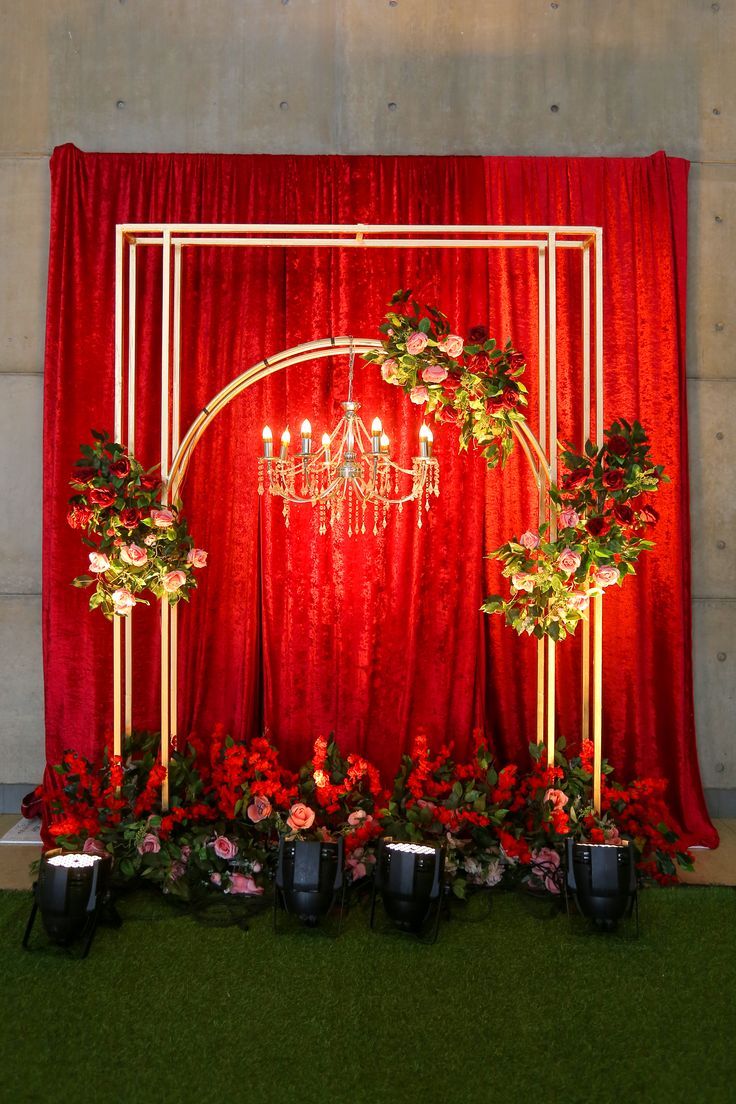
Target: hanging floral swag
x=231, y=802
x=138, y=545
x=601, y=509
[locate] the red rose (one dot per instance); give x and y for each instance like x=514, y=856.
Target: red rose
x=614, y=479
x=129, y=517
x=451, y=384
x=78, y=516
x=623, y=513
x=495, y=403
x=619, y=446
x=517, y=360
x=577, y=476
x=597, y=526
x=102, y=496
x=478, y=335
x=479, y=363
x=83, y=475
x=648, y=515
x=121, y=468
x=510, y=396
x=150, y=482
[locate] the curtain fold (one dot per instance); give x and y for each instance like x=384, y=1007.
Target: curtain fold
x=369, y=637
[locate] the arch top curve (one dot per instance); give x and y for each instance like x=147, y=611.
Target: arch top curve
x=287, y=358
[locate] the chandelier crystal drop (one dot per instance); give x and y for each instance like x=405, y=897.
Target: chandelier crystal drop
x=350, y=472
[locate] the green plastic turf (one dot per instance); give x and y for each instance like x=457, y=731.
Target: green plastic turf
x=516, y=1007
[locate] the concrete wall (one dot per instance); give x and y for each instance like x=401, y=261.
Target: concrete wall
x=370, y=76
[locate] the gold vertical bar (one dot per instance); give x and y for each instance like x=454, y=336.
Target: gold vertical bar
x=117, y=704
x=597, y=699
x=552, y=455
x=585, y=681
x=176, y=350
x=173, y=672
x=131, y=367
x=165, y=445
x=542, y=399
x=598, y=601
x=165, y=684
x=117, y=675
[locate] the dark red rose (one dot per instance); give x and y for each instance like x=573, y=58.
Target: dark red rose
x=614, y=479
x=517, y=360
x=648, y=515
x=495, y=403
x=78, y=516
x=510, y=396
x=102, y=496
x=451, y=416
x=150, y=482
x=451, y=384
x=129, y=517
x=619, y=446
x=623, y=513
x=479, y=363
x=121, y=468
x=575, y=477
x=83, y=475
x=477, y=335
x=597, y=526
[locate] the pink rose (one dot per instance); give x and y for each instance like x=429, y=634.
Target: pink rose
x=452, y=345
x=149, y=845
x=173, y=581
x=569, y=519
x=150, y=540
x=259, y=809
x=523, y=580
x=419, y=395
x=530, y=539
x=358, y=869
x=197, y=557
x=133, y=555
x=357, y=817
x=612, y=835
x=434, y=373
x=162, y=519
x=225, y=848
x=557, y=798
x=577, y=600
x=178, y=870
x=416, y=342
x=98, y=562
x=300, y=817
x=243, y=883
x=94, y=847
x=606, y=575
x=185, y=853
x=388, y=370
x=568, y=561
x=216, y=878
x=545, y=863
x=122, y=600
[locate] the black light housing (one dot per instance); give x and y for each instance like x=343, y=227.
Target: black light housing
x=72, y=896
x=410, y=880
x=601, y=877
x=309, y=878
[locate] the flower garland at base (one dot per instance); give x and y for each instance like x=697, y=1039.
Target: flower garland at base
x=232, y=801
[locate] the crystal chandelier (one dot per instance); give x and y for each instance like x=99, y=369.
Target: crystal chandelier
x=351, y=472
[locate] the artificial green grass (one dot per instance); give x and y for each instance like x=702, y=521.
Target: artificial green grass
x=512, y=1008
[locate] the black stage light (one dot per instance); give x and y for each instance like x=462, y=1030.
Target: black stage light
x=72, y=896
x=410, y=880
x=601, y=877
x=309, y=879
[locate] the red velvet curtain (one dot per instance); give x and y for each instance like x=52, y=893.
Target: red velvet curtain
x=369, y=637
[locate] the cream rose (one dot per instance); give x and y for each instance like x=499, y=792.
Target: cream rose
x=122, y=600
x=530, y=539
x=434, y=373
x=523, y=580
x=98, y=562
x=606, y=575
x=452, y=345
x=173, y=581
x=419, y=395
x=568, y=561
x=197, y=557
x=300, y=817
x=162, y=519
x=134, y=555
x=416, y=342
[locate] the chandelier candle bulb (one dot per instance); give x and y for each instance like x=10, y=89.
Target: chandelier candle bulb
x=306, y=438
x=285, y=442
x=267, y=443
x=384, y=444
x=376, y=431
x=425, y=442
x=326, y=447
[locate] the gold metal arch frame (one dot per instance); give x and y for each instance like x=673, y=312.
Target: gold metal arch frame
x=176, y=240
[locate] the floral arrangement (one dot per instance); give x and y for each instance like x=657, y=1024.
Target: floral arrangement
x=231, y=802
x=602, y=517
x=601, y=510
x=475, y=385
x=137, y=544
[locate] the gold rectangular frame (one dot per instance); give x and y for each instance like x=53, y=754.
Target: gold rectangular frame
x=174, y=238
